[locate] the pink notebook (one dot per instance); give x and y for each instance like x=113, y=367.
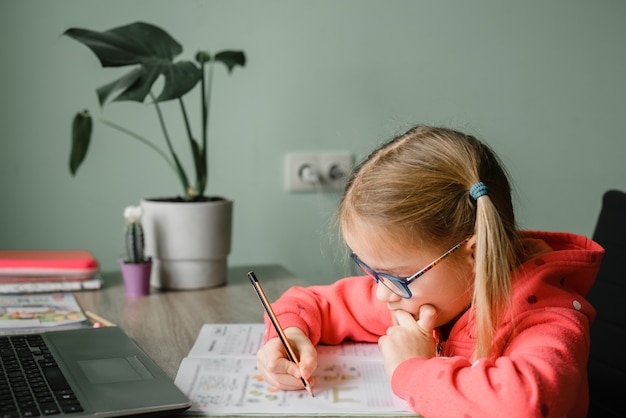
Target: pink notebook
x=33, y=264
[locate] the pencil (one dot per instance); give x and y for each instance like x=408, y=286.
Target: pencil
x=281, y=334
x=97, y=319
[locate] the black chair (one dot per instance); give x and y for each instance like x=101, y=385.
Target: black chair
x=607, y=358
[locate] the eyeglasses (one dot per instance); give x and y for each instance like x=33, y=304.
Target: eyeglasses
x=400, y=285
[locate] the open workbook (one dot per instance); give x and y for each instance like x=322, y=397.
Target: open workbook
x=40, y=312
x=220, y=377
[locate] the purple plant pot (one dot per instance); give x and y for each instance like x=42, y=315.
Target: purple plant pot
x=136, y=278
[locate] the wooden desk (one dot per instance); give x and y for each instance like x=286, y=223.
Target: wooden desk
x=165, y=324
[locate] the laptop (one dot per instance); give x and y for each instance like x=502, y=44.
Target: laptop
x=83, y=372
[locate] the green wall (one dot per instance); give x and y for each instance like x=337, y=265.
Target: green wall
x=542, y=82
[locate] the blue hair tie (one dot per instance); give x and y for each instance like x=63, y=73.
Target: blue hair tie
x=478, y=189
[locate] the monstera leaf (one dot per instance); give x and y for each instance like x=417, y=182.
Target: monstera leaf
x=150, y=48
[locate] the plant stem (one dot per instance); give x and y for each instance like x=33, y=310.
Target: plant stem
x=186, y=120
x=179, y=168
x=163, y=128
x=203, y=103
x=142, y=140
x=205, y=98
x=197, y=153
x=206, y=103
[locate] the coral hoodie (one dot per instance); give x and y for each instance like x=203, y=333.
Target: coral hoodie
x=541, y=369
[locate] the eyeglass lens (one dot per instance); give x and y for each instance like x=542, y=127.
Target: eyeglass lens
x=394, y=287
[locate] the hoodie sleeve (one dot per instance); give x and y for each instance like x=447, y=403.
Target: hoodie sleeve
x=345, y=310
x=540, y=374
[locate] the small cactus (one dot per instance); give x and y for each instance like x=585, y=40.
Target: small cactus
x=134, y=235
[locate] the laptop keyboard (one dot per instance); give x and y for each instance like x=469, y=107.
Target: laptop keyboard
x=31, y=382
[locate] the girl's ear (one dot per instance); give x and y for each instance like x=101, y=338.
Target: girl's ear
x=471, y=245
x=469, y=249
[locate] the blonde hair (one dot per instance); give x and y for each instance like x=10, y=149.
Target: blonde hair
x=416, y=186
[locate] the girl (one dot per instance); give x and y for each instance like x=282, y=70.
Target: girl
x=474, y=318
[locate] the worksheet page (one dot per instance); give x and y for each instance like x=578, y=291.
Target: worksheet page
x=220, y=377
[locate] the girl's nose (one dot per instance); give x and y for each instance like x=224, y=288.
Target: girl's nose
x=383, y=294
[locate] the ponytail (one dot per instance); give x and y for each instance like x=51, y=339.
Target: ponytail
x=494, y=257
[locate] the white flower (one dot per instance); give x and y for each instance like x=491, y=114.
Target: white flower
x=133, y=213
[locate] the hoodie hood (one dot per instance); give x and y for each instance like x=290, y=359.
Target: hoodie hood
x=561, y=259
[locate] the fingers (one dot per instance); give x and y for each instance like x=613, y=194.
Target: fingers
x=427, y=318
x=305, y=351
x=275, y=376
x=307, y=360
x=409, y=338
x=274, y=365
x=394, y=319
x=275, y=368
x=425, y=322
x=403, y=318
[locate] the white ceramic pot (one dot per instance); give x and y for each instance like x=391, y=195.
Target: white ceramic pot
x=189, y=242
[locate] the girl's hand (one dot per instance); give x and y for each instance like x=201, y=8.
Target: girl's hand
x=274, y=365
x=408, y=338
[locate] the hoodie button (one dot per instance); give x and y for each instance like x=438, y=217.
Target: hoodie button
x=577, y=305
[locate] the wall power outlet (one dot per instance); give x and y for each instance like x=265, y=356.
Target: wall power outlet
x=310, y=172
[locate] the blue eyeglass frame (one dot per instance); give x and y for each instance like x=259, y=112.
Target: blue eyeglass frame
x=400, y=285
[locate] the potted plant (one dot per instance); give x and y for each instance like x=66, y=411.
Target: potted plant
x=136, y=267
x=179, y=260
